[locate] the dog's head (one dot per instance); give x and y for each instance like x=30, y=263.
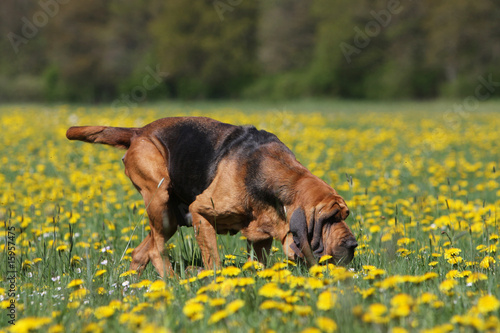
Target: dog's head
x=318, y=228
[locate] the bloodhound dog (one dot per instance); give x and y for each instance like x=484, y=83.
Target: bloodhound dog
x=222, y=178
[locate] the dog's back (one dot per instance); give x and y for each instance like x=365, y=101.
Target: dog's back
x=196, y=145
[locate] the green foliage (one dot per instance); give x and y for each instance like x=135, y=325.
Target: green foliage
x=381, y=49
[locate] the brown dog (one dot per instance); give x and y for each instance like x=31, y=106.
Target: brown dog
x=222, y=178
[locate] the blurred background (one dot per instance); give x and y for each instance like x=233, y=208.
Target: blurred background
x=128, y=51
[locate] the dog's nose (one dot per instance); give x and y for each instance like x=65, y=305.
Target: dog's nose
x=351, y=243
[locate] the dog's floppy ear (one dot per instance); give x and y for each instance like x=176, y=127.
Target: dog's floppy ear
x=298, y=228
x=317, y=236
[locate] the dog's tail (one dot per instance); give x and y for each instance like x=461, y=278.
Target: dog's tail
x=119, y=137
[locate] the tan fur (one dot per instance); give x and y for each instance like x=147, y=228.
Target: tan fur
x=225, y=205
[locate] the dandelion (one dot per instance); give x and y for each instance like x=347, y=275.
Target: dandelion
x=255, y=265
x=231, y=271
x=30, y=324
x=62, y=248
x=447, y=285
x=326, y=301
x=218, y=316
x=193, y=311
x=451, y=252
x=235, y=306
x=100, y=272
x=271, y=304
x=326, y=324
x=217, y=302
x=487, y=262
x=488, y=303
x=375, y=314
x=271, y=290
x=75, y=283
x=302, y=310
x=475, y=277
x=104, y=312
x=324, y=258
x=128, y=273
x=158, y=285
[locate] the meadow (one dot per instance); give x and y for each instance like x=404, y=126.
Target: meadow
x=421, y=182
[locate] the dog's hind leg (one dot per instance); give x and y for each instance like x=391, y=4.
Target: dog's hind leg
x=206, y=237
x=147, y=169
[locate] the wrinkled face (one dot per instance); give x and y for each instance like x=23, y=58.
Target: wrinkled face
x=322, y=230
x=338, y=239
x=339, y=242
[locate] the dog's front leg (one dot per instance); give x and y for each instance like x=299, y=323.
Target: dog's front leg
x=206, y=237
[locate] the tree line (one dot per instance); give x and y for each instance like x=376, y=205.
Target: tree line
x=128, y=51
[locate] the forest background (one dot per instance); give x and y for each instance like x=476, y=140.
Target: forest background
x=129, y=51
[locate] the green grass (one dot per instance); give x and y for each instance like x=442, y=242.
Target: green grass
x=422, y=185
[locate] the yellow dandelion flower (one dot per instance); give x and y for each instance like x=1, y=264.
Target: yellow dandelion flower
x=218, y=316
x=100, y=272
x=367, y=292
x=326, y=324
x=73, y=305
x=488, y=303
x=217, y=302
x=453, y=274
x=62, y=248
x=317, y=270
x=56, y=329
x=326, y=300
x=325, y=258
x=426, y=298
x=271, y=304
x=28, y=324
x=278, y=266
x=468, y=320
x=246, y=281
x=203, y=274
x=235, y=306
x=445, y=328
x=451, y=252
x=487, y=262
x=271, y=290
x=447, y=285
x=158, y=285
x=231, y=271
x=75, y=283
x=302, y=310
x=127, y=273
x=401, y=310
x=475, y=277
x=78, y=294
x=255, y=265
x=104, y=312
x=193, y=311
x=377, y=309
x=375, y=314
x=142, y=284
x=402, y=299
